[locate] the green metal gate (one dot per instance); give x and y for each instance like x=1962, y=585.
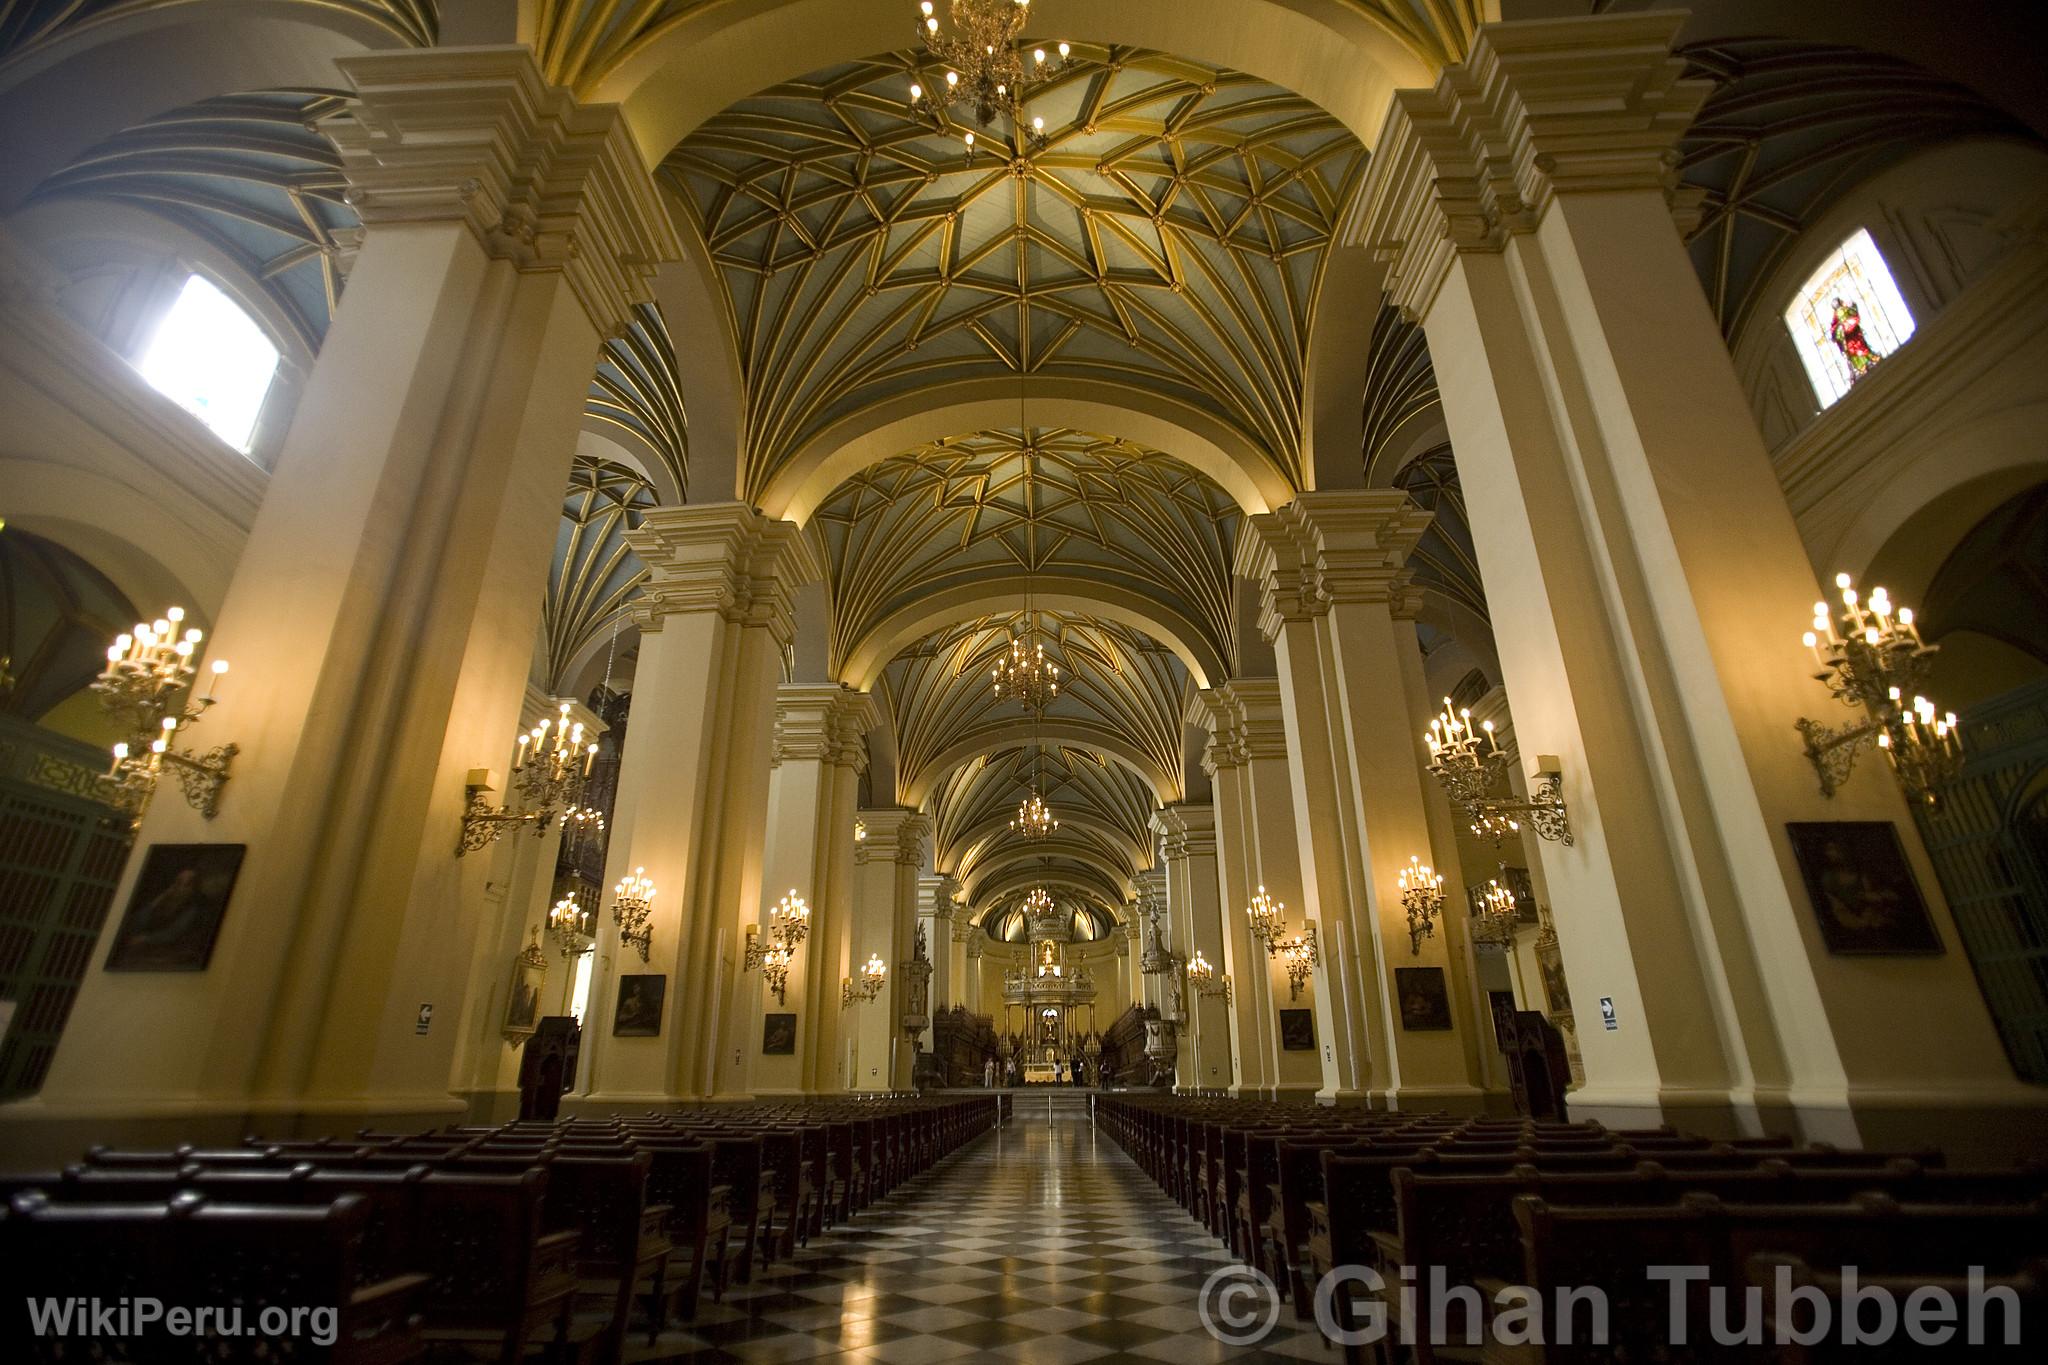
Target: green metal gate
x=61, y=853
x=1988, y=837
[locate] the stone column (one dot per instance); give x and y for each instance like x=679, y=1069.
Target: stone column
x=935, y=908
x=383, y=611
x=1132, y=960
x=972, y=996
x=1187, y=843
x=1255, y=846
x=1337, y=602
x=1648, y=588
x=813, y=793
x=692, y=807
x=886, y=865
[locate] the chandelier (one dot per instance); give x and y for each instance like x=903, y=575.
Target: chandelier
x=1300, y=956
x=569, y=925
x=549, y=772
x=146, y=688
x=872, y=974
x=1024, y=675
x=1042, y=916
x=789, y=924
x=1268, y=919
x=1469, y=765
x=632, y=903
x=1493, y=915
x=1034, y=818
x=988, y=70
x=1874, y=661
x=1422, y=895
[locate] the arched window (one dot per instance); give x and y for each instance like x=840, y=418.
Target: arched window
x=1847, y=317
x=211, y=359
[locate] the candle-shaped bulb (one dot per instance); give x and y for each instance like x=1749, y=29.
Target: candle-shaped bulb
x=1037, y=125
x=1064, y=49
x=1905, y=616
x=176, y=613
x=1841, y=580
x=916, y=91
x=1038, y=55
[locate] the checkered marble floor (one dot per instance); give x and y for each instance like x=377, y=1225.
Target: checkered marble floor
x=1039, y=1243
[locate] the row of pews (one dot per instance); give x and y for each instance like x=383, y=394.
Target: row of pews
x=1299, y=1191
x=469, y=1242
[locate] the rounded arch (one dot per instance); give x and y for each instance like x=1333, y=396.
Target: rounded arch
x=867, y=656
x=1073, y=734
x=983, y=888
x=997, y=825
x=707, y=364
x=887, y=429
x=177, y=565
x=82, y=86
x=1339, y=54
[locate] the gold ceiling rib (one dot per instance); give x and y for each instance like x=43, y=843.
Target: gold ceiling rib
x=28, y=25
x=594, y=577
x=638, y=390
x=1175, y=241
x=245, y=174
x=581, y=42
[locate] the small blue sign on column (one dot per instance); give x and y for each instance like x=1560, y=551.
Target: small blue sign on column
x=1607, y=1013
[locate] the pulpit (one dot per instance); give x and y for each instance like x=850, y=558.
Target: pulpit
x=547, y=1067
x=1538, y=1070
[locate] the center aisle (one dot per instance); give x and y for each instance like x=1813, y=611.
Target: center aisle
x=1039, y=1243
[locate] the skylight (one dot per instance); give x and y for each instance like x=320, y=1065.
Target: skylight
x=211, y=359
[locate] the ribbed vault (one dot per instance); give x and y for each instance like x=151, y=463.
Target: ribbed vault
x=594, y=576
x=1171, y=235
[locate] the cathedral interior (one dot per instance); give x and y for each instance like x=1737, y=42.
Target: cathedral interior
x=1061, y=680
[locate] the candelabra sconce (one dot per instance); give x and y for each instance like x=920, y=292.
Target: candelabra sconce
x=146, y=687
x=580, y=823
x=1469, y=765
x=1493, y=916
x=632, y=903
x=872, y=975
x=1268, y=919
x=789, y=924
x=1205, y=980
x=1874, y=661
x=570, y=926
x=1301, y=956
x=1422, y=895
x=549, y=773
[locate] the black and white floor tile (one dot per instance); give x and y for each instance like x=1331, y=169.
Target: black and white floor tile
x=1041, y=1244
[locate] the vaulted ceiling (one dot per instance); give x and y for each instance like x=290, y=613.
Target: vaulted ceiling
x=1170, y=235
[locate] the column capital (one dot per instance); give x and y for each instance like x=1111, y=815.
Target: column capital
x=824, y=723
x=1540, y=107
x=477, y=136
x=1245, y=722
x=723, y=557
x=1185, y=828
x=947, y=893
x=1328, y=548
x=976, y=943
x=893, y=830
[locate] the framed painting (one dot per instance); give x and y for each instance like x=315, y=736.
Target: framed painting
x=1862, y=889
x=522, y=999
x=174, y=913
x=778, y=1035
x=1425, y=1000
x=1298, y=1030
x=638, y=1013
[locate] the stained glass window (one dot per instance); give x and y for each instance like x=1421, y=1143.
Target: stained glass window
x=1847, y=317
x=211, y=359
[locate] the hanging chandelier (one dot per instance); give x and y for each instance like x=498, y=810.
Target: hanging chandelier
x=1875, y=661
x=989, y=69
x=1042, y=915
x=1024, y=674
x=1493, y=915
x=1034, y=818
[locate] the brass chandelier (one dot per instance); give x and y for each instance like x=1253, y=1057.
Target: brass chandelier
x=1875, y=661
x=147, y=688
x=989, y=69
x=1469, y=765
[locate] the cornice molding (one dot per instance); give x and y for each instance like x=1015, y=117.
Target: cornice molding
x=723, y=557
x=1185, y=829
x=1245, y=723
x=1331, y=548
x=893, y=831
x=1539, y=108
x=477, y=136
x=823, y=723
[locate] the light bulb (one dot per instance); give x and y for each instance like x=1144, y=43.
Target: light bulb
x=1063, y=49
x=1841, y=580
x=220, y=666
x=1038, y=55
x=952, y=78
x=916, y=91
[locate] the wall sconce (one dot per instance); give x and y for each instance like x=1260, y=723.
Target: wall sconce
x=1204, y=979
x=871, y=978
x=1875, y=662
x=1493, y=915
x=789, y=924
x=1268, y=918
x=1301, y=956
x=549, y=773
x=1422, y=894
x=147, y=687
x=632, y=902
x=1469, y=765
x=569, y=925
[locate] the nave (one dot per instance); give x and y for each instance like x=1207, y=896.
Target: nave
x=1040, y=1242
